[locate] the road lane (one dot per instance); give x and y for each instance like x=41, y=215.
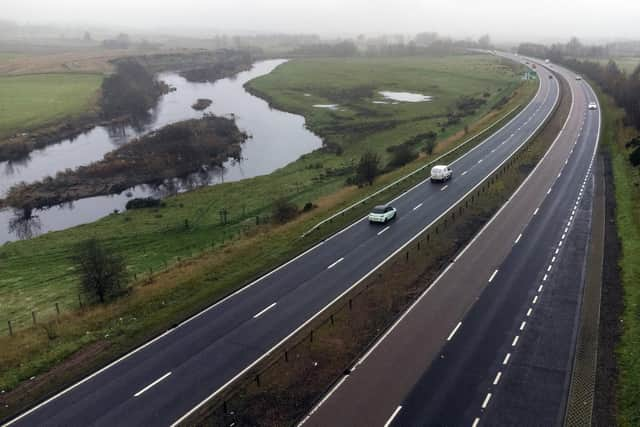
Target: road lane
x=207, y=352
x=451, y=376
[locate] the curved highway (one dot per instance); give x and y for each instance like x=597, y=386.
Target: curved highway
x=164, y=380
x=492, y=339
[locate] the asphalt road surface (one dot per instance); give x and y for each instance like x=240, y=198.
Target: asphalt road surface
x=491, y=341
x=162, y=381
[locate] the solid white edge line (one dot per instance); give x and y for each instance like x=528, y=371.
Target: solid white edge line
x=454, y=331
x=324, y=399
x=152, y=384
x=264, y=310
x=395, y=414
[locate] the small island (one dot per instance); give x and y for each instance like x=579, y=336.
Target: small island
x=201, y=104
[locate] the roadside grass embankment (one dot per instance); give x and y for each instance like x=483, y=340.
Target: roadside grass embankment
x=621, y=388
x=283, y=387
x=183, y=256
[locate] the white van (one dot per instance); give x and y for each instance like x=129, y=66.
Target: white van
x=440, y=173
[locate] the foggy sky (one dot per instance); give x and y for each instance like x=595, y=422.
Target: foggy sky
x=504, y=20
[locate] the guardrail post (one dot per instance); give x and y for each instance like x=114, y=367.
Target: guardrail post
x=225, y=409
x=311, y=336
x=406, y=256
x=332, y=320
x=350, y=304
x=286, y=356
x=10, y=328
x=258, y=380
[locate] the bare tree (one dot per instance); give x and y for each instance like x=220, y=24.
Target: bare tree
x=103, y=274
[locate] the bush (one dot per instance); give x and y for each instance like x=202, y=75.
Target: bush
x=402, y=155
x=141, y=203
x=284, y=210
x=103, y=274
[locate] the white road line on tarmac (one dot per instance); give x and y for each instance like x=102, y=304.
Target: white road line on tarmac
x=493, y=275
x=486, y=401
x=497, y=379
x=152, y=384
x=264, y=310
x=395, y=414
x=454, y=331
x=384, y=229
x=335, y=263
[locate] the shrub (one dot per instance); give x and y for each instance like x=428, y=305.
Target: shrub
x=368, y=168
x=284, y=210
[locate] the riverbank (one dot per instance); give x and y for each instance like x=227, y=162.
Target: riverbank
x=44, y=109
x=173, y=151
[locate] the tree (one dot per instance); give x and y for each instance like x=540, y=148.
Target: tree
x=87, y=36
x=484, y=42
x=368, y=168
x=103, y=274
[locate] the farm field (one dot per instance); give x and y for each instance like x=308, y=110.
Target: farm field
x=31, y=101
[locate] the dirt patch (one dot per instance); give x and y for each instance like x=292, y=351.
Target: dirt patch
x=611, y=309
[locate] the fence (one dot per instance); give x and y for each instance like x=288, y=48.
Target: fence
x=283, y=386
x=466, y=145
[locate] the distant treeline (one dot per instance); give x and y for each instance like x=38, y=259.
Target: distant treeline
x=623, y=87
x=131, y=91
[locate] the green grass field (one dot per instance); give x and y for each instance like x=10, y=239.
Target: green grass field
x=627, y=189
x=30, y=101
x=38, y=273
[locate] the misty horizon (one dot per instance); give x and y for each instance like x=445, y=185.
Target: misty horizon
x=545, y=21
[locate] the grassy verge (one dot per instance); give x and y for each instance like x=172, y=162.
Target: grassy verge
x=199, y=259
x=32, y=101
x=284, y=387
x=627, y=196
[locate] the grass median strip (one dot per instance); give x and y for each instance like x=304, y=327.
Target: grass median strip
x=286, y=385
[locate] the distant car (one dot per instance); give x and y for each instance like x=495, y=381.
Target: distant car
x=441, y=173
x=593, y=106
x=382, y=213
x=578, y=77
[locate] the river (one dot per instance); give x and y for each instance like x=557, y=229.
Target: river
x=276, y=139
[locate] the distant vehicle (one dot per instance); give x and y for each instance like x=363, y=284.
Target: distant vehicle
x=550, y=76
x=578, y=77
x=546, y=61
x=441, y=173
x=382, y=213
x=593, y=106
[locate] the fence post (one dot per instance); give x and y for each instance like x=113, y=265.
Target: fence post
x=10, y=328
x=33, y=315
x=332, y=320
x=80, y=298
x=58, y=309
x=311, y=336
x=258, y=380
x=286, y=356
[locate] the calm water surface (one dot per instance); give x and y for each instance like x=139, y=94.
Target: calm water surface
x=276, y=139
